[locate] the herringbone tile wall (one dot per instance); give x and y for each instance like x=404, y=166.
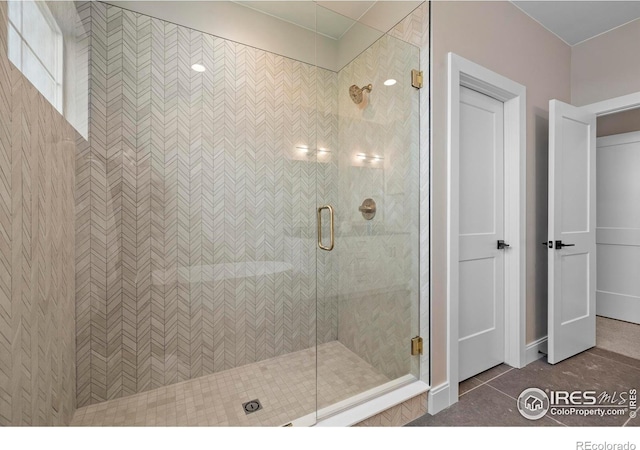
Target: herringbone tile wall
x=196, y=211
x=37, y=270
x=378, y=259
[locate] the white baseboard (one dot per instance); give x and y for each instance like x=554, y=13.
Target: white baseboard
x=438, y=399
x=534, y=350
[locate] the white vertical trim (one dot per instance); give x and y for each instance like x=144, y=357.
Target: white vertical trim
x=536, y=350
x=438, y=398
x=515, y=227
x=453, y=224
x=465, y=73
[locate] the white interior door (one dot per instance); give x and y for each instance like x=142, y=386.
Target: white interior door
x=572, y=236
x=618, y=227
x=481, y=263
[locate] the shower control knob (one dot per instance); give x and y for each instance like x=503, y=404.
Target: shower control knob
x=368, y=209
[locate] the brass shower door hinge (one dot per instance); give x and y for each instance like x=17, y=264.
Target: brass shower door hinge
x=416, y=346
x=417, y=78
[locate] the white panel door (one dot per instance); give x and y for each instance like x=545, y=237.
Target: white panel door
x=618, y=227
x=481, y=263
x=572, y=221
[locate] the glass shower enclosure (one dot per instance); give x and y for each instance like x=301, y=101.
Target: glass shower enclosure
x=253, y=194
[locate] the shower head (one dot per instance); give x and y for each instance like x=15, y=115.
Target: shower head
x=356, y=93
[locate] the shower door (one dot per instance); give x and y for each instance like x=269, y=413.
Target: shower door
x=368, y=172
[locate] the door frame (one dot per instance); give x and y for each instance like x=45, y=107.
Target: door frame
x=614, y=105
x=463, y=72
x=627, y=312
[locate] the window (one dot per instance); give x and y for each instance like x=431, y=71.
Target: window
x=35, y=47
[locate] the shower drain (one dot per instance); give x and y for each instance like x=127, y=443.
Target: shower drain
x=252, y=406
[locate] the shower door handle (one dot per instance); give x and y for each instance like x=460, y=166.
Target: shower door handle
x=331, y=236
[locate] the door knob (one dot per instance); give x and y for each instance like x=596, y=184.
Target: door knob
x=502, y=245
x=559, y=245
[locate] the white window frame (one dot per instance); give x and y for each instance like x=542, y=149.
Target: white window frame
x=58, y=69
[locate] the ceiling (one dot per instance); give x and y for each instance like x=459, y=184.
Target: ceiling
x=577, y=21
x=306, y=15
x=335, y=18
x=328, y=34
x=572, y=21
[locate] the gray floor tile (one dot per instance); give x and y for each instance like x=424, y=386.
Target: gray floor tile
x=586, y=371
x=634, y=422
x=493, y=372
x=493, y=403
x=467, y=385
x=618, y=336
x=484, y=406
x=583, y=371
x=617, y=357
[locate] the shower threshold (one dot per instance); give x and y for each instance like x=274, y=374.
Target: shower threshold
x=285, y=385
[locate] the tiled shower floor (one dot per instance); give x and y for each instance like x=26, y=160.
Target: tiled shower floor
x=286, y=387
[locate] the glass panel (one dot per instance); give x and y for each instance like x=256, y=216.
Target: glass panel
x=14, y=44
x=38, y=33
x=15, y=13
x=211, y=228
x=38, y=75
x=218, y=154
x=368, y=285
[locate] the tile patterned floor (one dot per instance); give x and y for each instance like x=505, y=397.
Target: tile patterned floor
x=489, y=399
x=286, y=387
x=618, y=336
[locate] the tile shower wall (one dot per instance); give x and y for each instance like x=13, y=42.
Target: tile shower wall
x=378, y=259
x=195, y=209
x=37, y=307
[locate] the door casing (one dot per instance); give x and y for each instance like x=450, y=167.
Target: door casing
x=615, y=303
x=463, y=72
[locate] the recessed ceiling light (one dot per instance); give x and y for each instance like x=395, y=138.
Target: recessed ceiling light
x=198, y=67
x=390, y=82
